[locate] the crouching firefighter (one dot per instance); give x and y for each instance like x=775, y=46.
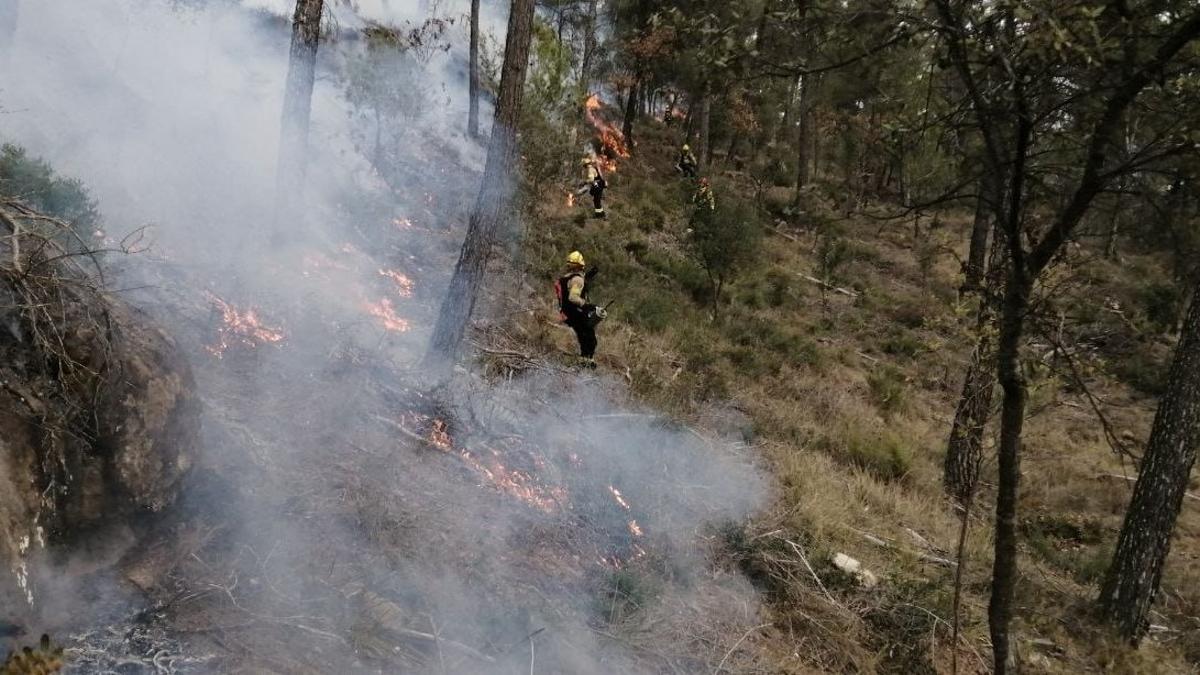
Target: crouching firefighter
x=574, y=308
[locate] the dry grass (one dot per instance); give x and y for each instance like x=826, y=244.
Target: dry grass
x=848, y=462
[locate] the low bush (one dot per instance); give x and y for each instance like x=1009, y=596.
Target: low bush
x=887, y=385
x=882, y=453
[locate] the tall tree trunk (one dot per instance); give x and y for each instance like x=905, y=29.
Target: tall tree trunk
x=1132, y=581
x=1012, y=421
x=977, y=254
x=589, y=46
x=297, y=110
x=495, y=193
x=804, y=142
x=964, y=450
x=473, y=112
x=703, y=142
x=631, y=108
x=784, y=131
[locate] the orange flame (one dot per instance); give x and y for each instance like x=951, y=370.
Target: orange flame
x=239, y=327
x=618, y=497
x=512, y=482
x=404, y=285
x=635, y=529
x=402, y=223
x=570, y=200
x=612, y=141
x=386, y=314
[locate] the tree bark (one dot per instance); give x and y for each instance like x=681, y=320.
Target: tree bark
x=703, y=142
x=1012, y=422
x=977, y=254
x=589, y=47
x=473, y=111
x=495, y=193
x=631, y=109
x=804, y=142
x=297, y=110
x=1133, y=579
x=964, y=450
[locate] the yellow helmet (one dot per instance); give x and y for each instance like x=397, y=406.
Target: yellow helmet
x=687, y=148
x=575, y=258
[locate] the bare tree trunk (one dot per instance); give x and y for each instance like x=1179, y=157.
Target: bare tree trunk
x=1133, y=579
x=964, y=450
x=473, y=112
x=631, y=109
x=1012, y=422
x=977, y=254
x=703, y=142
x=784, y=131
x=589, y=47
x=297, y=110
x=495, y=193
x=804, y=142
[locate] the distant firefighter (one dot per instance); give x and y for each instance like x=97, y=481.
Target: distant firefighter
x=687, y=162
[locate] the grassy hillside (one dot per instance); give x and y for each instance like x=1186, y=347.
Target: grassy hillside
x=850, y=394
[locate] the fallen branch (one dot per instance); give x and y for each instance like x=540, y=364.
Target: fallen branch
x=1132, y=479
x=828, y=286
x=721, y=665
x=427, y=637
x=804, y=559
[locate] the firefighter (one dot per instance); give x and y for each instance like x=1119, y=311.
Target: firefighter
x=575, y=310
x=687, y=162
x=703, y=198
x=595, y=185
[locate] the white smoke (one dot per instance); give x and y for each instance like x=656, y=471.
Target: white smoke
x=171, y=117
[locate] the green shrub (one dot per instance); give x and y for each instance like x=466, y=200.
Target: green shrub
x=723, y=241
x=902, y=343
x=887, y=389
x=1162, y=305
x=1143, y=370
x=653, y=312
x=882, y=453
x=32, y=180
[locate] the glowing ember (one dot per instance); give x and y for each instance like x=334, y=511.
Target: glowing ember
x=617, y=496
x=387, y=316
x=240, y=327
x=404, y=285
x=512, y=482
x=403, y=223
x=612, y=141
x=440, y=436
x=635, y=529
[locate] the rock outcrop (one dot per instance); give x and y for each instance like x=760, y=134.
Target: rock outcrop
x=98, y=419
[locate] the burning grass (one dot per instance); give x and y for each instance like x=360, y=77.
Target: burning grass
x=240, y=328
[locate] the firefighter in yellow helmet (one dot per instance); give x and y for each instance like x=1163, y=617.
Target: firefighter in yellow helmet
x=574, y=308
x=594, y=184
x=687, y=161
x=703, y=198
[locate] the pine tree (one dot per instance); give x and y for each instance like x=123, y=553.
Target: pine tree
x=495, y=194
x=297, y=109
x=1133, y=578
